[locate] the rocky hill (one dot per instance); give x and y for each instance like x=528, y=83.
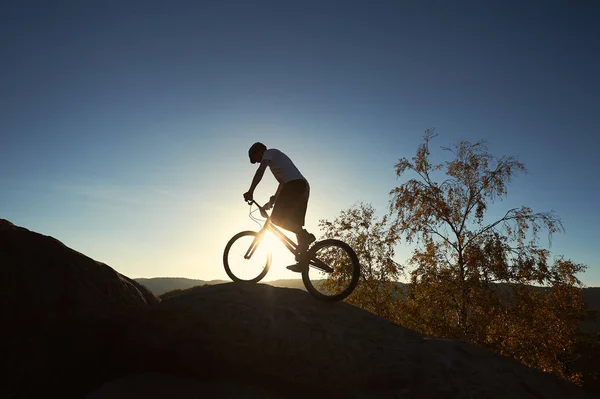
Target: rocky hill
x=162, y=285
x=77, y=328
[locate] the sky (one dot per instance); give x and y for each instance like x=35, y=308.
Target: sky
x=125, y=125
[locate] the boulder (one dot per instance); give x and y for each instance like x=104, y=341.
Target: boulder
x=60, y=310
x=284, y=341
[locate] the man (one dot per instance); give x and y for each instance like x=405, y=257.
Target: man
x=290, y=200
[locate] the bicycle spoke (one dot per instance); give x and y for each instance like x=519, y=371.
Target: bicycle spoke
x=319, y=264
x=238, y=267
x=333, y=270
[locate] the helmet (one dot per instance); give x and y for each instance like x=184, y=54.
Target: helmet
x=256, y=147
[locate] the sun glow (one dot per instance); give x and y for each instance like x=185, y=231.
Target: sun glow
x=282, y=257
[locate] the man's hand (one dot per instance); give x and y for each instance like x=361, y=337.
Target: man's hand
x=268, y=206
x=248, y=196
x=271, y=202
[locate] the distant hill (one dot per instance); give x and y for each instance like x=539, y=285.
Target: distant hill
x=161, y=285
x=591, y=297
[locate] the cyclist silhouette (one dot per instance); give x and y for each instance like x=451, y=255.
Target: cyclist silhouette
x=291, y=199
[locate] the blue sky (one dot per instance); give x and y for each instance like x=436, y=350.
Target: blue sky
x=125, y=124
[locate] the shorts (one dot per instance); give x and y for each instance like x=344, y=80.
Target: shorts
x=291, y=204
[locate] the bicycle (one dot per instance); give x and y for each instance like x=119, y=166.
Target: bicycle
x=330, y=269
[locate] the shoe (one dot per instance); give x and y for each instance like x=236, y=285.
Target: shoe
x=304, y=242
x=295, y=268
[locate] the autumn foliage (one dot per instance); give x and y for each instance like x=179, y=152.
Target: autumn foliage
x=374, y=242
x=488, y=282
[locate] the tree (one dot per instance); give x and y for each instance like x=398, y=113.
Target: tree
x=373, y=241
x=481, y=280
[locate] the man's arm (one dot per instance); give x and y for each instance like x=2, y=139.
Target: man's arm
x=258, y=176
x=279, y=188
x=273, y=198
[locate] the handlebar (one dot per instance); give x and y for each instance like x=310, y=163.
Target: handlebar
x=262, y=210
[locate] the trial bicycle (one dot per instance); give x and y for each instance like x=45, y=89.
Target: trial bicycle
x=330, y=267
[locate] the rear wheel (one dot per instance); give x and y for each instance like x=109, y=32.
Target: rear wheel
x=333, y=270
x=246, y=270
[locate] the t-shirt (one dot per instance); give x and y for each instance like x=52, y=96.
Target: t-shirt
x=281, y=166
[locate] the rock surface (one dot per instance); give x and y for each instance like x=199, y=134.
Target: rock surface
x=284, y=340
x=80, y=329
x=59, y=309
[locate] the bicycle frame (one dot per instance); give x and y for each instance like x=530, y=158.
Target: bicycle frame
x=285, y=240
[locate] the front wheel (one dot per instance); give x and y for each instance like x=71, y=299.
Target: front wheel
x=333, y=270
x=239, y=268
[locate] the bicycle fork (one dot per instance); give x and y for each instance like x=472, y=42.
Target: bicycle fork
x=255, y=243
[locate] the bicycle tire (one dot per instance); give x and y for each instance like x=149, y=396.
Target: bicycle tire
x=355, y=270
x=226, y=262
